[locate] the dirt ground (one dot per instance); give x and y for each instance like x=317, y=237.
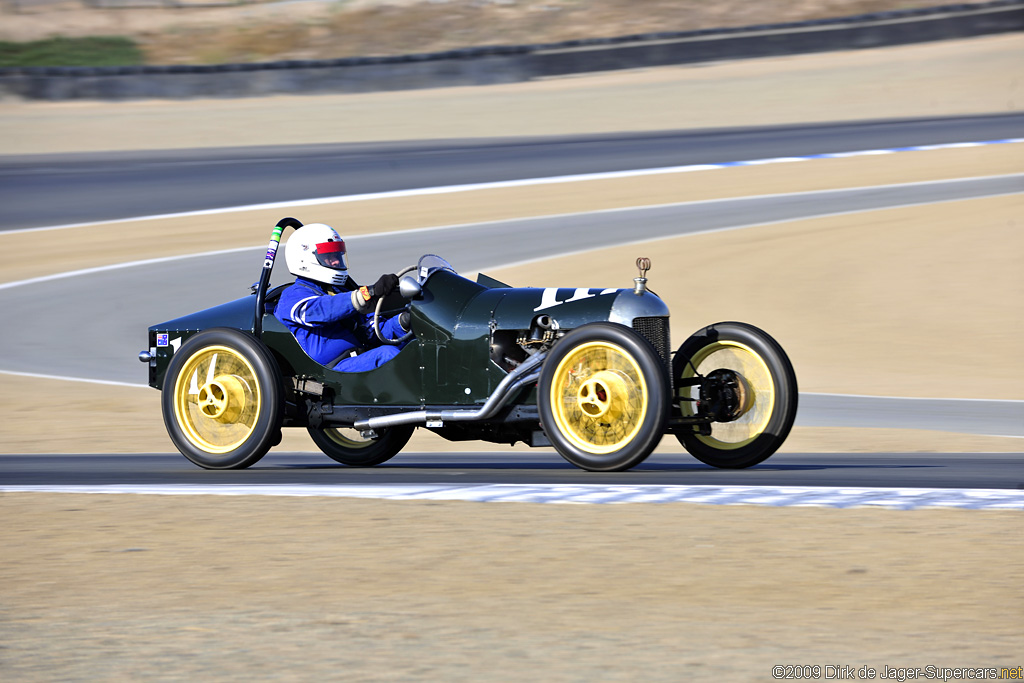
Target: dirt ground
x=129, y=587
x=173, y=588
x=200, y=32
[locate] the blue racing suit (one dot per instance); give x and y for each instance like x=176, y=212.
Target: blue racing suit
x=333, y=329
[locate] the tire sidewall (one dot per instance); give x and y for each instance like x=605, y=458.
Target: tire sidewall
x=653, y=426
x=266, y=431
x=786, y=394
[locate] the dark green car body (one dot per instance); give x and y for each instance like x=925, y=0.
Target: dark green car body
x=466, y=341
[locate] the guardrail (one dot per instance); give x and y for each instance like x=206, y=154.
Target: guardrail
x=33, y=6
x=509, y=64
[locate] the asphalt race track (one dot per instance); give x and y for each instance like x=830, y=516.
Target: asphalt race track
x=106, y=348
x=540, y=466
x=151, y=183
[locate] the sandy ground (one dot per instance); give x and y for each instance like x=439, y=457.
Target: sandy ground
x=899, y=301
x=173, y=588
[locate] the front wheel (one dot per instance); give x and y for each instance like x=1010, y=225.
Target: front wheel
x=349, y=447
x=603, y=397
x=222, y=399
x=739, y=382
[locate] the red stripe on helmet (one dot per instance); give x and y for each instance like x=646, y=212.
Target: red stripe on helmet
x=331, y=247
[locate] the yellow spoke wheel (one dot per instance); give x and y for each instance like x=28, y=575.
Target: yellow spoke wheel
x=217, y=399
x=221, y=399
x=599, y=397
x=758, y=390
x=603, y=394
x=762, y=391
x=350, y=439
x=349, y=447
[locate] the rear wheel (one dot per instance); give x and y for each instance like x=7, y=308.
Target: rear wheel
x=222, y=400
x=740, y=376
x=350, y=447
x=603, y=397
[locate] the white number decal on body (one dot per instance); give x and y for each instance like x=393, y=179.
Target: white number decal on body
x=549, y=298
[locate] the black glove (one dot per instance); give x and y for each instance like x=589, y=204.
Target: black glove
x=384, y=285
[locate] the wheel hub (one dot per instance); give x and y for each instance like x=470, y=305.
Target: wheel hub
x=222, y=399
x=600, y=395
x=725, y=395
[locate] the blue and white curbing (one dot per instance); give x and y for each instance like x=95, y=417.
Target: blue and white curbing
x=772, y=496
x=861, y=153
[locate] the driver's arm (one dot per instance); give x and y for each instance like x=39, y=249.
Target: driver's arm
x=316, y=311
x=313, y=312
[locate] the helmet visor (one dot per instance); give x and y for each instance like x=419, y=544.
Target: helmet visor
x=331, y=255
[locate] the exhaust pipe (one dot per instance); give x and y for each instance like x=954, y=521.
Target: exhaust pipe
x=523, y=375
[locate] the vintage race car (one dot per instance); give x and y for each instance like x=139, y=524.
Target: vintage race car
x=587, y=371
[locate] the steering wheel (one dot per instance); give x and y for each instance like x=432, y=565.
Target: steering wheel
x=376, y=318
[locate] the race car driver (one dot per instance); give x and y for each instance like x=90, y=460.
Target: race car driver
x=329, y=314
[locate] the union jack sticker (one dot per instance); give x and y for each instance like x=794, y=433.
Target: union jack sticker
x=161, y=339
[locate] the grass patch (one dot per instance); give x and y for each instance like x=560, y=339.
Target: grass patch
x=92, y=51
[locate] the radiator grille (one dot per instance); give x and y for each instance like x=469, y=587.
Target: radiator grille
x=655, y=330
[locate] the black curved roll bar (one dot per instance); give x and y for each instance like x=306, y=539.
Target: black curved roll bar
x=268, y=267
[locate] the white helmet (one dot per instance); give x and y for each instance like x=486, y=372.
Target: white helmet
x=316, y=252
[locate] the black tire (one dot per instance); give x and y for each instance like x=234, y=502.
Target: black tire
x=769, y=394
x=603, y=397
x=349, y=448
x=222, y=399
